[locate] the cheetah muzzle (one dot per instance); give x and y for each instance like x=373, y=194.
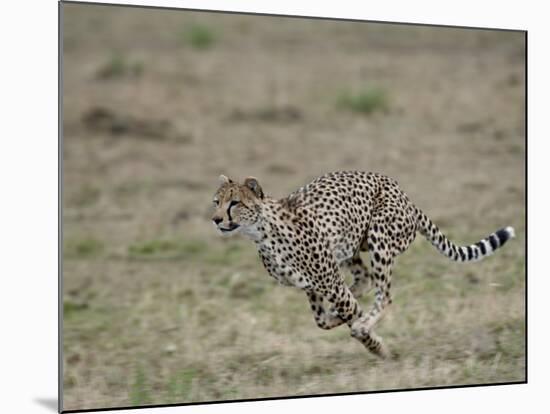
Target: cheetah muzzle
x=304, y=240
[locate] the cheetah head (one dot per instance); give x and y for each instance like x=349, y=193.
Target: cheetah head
x=237, y=206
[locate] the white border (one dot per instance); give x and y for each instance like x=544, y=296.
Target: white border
x=28, y=161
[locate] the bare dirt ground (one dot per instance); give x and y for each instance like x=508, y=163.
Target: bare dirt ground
x=159, y=309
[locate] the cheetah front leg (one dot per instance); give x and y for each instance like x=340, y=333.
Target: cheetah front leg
x=323, y=319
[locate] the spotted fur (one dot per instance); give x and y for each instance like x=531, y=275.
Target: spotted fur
x=305, y=239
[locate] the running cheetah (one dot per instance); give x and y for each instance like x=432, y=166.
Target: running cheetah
x=304, y=239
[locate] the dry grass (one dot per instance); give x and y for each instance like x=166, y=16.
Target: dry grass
x=159, y=309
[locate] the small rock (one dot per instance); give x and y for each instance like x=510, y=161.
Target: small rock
x=170, y=348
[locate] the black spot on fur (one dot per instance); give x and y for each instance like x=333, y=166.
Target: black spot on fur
x=482, y=247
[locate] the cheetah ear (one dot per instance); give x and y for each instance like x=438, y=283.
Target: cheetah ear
x=252, y=184
x=224, y=180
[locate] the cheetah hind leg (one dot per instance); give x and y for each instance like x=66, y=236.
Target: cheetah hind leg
x=373, y=342
x=362, y=281
x=349, y=310
x=361, y=328
x=323, y=319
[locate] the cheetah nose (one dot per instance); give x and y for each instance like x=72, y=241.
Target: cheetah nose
x=217, y=220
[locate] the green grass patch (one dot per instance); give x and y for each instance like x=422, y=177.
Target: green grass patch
x=84, y=322
x=139, y=393
x=512, y=277
x=86, y=195
x=118, y=66
x=510, y=337
x=179, y=385
x=130, y=188
x=70, y=308
x=230, y=254
x=264, y=375
x=199, y=36
x=83, y=249
x=233, y=254
x=167, y=249
x=365, y=102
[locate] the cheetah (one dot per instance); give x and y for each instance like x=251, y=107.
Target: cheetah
x=305, y=239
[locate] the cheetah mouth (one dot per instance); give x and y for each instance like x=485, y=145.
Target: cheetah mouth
x=231, y=228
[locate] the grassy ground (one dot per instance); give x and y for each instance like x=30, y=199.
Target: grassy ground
x=159, y=309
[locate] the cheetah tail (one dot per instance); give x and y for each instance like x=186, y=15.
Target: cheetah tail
x=471, y=253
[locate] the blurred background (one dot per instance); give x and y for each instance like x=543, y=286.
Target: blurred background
x=157, y=103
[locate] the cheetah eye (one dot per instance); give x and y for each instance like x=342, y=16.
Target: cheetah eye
x=216, y=202
x=233, y=203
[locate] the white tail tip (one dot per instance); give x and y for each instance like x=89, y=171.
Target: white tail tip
x=511, y=231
